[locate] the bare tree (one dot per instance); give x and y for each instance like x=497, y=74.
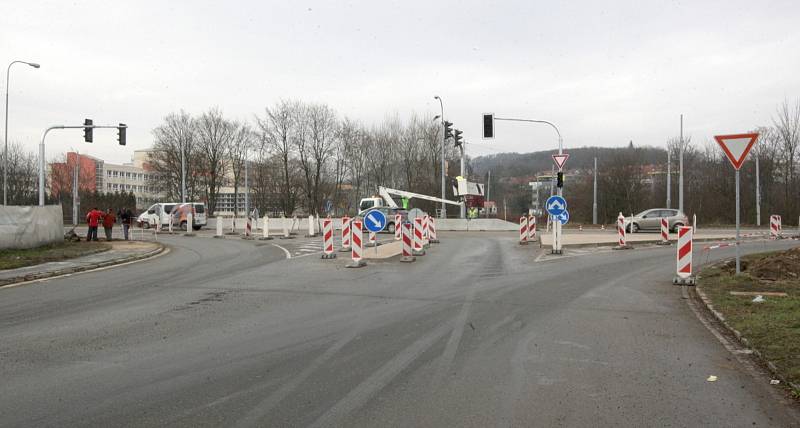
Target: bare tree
x=22, y=175
x=314, y=144
x=787, y=127
x=242, y=141
x=277, y=129
x=175, y=135
x=214, y=135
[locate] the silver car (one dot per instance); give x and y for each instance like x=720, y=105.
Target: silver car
x=651, y=220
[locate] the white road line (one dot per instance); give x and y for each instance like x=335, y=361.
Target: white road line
x=380, y=378
x=288, y=254
x=17, y=284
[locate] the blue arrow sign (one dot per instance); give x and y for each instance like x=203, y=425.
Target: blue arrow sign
x=555, y=205
x=563, y=218
x=375, y=220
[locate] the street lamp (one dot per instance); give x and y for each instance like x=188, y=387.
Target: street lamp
x=5, y=151
x=441, y=107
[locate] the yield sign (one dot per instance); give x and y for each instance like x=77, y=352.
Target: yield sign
x=736, y=146
x=560, y=160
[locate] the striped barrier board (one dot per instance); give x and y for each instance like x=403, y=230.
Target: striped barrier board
x=327, y=239
x=684, y=256
x=531, y=228
x=622, y=241
x=398, y=226
x=433, y=238
x=356, y=245
x=345, y=234
x=408, y=254
x=419, y=249
x=523, y=230
x=664, y=232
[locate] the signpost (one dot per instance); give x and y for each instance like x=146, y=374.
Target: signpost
x=556, y=206
x=736, y=148
x=375, y=221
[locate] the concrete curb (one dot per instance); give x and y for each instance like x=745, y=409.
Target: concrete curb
x=743, y=340
x=76, y=269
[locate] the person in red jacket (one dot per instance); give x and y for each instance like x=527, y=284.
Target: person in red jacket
x=108, y=223
x=93, y=218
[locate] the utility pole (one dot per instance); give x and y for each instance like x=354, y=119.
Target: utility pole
x=246, y=188
x=669, y=178
x=464, y=176
x=488, y=188
x=441, y=107
x=75, y=173
x=758, y=195
x=594, y=200
x=680, y=173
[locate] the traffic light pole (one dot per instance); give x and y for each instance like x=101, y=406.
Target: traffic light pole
x=556, y=224
x=41, y=151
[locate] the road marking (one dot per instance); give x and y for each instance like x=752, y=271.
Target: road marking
x=380, y=378
x=265, y=406
x=450, y=349
x=288, y=254
x=17, y=284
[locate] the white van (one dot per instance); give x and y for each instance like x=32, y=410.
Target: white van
x=162, y=212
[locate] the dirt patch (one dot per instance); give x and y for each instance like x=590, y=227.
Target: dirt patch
x=777, y=266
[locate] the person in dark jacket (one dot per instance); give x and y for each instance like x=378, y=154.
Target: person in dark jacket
x=127, y=218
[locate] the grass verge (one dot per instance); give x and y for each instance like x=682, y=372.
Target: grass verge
x=11, y=259
x=771, y=327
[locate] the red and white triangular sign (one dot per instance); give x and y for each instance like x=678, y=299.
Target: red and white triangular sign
x=736, y=146
x=560, y=160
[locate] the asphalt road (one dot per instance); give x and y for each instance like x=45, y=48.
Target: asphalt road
x=231, y=333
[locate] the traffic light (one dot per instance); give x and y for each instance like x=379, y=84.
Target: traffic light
x=488, y=125
x=459, y=140
x=121, y=133
x=87, y=132
x=448, y=129
x=560, y=180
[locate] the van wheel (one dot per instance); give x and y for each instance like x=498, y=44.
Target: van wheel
x=145, y=225
x=196, y=227
x=676, y=227
x=183, y=225
x=390, y=228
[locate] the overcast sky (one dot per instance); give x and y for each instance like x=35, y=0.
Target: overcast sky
x=604, y=72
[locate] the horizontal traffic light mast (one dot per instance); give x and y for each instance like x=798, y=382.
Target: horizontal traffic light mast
x=87, y=127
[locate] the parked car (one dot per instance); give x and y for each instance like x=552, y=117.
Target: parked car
x=161, y=212
x=651, y=220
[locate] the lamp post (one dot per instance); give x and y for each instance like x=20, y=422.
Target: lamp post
x=441, y=107
x=5, y=151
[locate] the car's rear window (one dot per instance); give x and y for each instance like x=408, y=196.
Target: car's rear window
x=168, y=208
x=200, y=208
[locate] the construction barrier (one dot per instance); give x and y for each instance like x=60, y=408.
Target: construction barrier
x=373, y=239
x=398, y=226
x=523, y=230
x=356, y=245
x=169, y=223
x=622, y=243
x=189, y=225
x=425, y=228
x=248, y=227
x=774, y=226
x=433, y=237
x=311, y=232
x=664, y=232
x=327, y=239
x=408, y=254
x=266, y=228
x=345, y=234
x=419, y=249
x=684, y=257
x=286, y=233
x=219, y=227
x=532, y=228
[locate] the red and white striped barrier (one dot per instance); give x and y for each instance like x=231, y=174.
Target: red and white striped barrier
x=419, y=249
x=346, y=222
x=356, y=245
x=774, y=226
x=426, y=220
x=327, y=239
x=622, y=241
x=523, y=230
x=433, y=238
x=408, y=252
x=248, y=227
x=398, y=226
x=265, y=229
x=373, y=239
x=532, y=228
x=664, y=232
x=684, y=256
